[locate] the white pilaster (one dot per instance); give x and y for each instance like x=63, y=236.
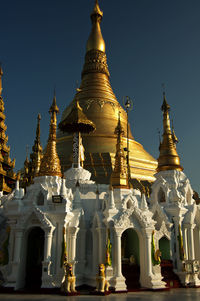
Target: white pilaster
x=119, y=280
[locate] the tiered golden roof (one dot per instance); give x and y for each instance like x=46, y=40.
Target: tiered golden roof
x=168, y=158
x=119, y=177
x=7, y=175
x=76, y=121
x=50, y=164
x=99, y=104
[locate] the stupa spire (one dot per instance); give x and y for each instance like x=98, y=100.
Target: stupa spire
x=95, y=59
x=36, y=155
x=50, y=165
x=119, y=174
x=96, y=41
x=168, y=158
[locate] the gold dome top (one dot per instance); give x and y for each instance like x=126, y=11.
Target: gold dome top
x=99, y=104
x=50, y=164
x=95, y=40
x=168, y=158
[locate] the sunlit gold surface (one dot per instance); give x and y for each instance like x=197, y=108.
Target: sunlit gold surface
x=50, y=164
x=168, y=158
x=100, y=105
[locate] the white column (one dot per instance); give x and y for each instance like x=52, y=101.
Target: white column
x=185, y=242
x=118, y=264
x=148, y=253
x=48, y=243
x=18, y=243
x=191, y=255
x=100, y=259
x=94, y=251
x=73, y=234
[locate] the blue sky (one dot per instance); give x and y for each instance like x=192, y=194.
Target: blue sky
x=148, y=42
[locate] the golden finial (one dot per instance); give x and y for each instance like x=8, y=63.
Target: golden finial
x=50, y=165
x=96, y=10
x=168, y=158
x=1, y=74
x=96, y=41
x=119, y=174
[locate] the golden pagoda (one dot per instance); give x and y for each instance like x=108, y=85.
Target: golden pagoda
x=99, y=104
x=50, y=164
x=168, y=158
x=7, y=175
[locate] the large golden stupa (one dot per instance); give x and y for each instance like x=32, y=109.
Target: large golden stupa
x=99, y=104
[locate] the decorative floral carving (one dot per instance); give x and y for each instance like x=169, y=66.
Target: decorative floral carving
x=100, y=102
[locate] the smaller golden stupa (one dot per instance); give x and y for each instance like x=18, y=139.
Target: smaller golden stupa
x=50, y=164
x=168, y=158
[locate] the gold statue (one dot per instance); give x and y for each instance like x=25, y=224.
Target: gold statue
x=102, y=283
x=68, y=286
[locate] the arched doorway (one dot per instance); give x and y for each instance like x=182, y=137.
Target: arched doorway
x=34, y=258
x=164, y=246
x=171, y=279
x=131, y=258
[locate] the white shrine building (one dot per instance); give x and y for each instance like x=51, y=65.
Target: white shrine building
x=148, y=236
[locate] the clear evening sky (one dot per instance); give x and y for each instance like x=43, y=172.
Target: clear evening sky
x=148, y=42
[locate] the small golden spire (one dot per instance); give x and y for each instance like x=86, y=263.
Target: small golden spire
x=168, y=158
x=37, y=153
x=50, y=165
x=96, y=41
x=1, y=74
x=119, y=175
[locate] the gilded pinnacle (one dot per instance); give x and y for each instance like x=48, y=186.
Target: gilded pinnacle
x=50, y=165
x=96, y=41
x=96, y=10
x=168, y=158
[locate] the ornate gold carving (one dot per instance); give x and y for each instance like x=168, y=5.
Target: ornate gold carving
x=89, y=102
x=95, y=61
